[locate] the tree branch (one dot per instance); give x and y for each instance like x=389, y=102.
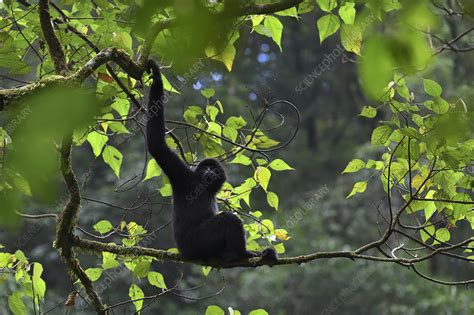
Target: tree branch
x=98, y=248
x=68, y=217
x=109, y=54
x=67, y=221
x=54, y=46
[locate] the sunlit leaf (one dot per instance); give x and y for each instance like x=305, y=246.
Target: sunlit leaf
x=328, y=25
x=275, y=27
x=347, y=13
x=280, y=165
x=113, y=158
x=358, y=188
x=94, y=273
x=214, y=310
x=354, y=166
x=152, y=170
x=156, y=279
x=103, y=226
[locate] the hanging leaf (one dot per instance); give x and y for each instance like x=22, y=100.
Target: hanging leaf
x=113, y=158
x=280, y=165
x=327, y=25
x=262, y=176
x=272, y=200
x=103, y=227
x=359, y=187
x=97, y=142
x=327, y=5
x=135, y=293
x=275, y=27
x=152, y=170
x=354, y=166
x=347, y=13
x=156, y=279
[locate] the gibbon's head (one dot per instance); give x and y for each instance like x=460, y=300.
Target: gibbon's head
x=212, y=174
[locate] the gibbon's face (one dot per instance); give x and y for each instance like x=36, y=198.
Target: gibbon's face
x=212, y=174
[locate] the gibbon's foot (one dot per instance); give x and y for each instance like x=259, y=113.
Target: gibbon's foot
x=269, y=254
x=251, y=254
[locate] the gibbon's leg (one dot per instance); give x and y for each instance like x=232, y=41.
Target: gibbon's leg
x=221, y=236
x=235, y=243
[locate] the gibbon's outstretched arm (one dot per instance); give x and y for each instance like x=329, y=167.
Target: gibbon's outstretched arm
x=172, y=165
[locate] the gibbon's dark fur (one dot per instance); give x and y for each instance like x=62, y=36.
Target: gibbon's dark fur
x=200, y=231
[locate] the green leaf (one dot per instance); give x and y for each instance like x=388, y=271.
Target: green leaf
x=236, y=122
x=21, y=256
x=156, y=279
x=167, y=85
x=109, y=260
x=118, y=127
x=272, y=199
x=429, y=210
x=347, y=12
x=327, y=25
x=257, y=19
x=430, y=229
x=15, y=303
x=368, y=111
x=191, y=113
x=258, y=312
x=432, y=88
x=113, y=158
x=142, y=268
x=103, y=227
x=97, y=142
x=439, y=106
x=94, y=273
x=230, y=132
x=351, y=38
x=214, y=310
x=381, y=134
x=280, y=165
x=214, y=128
x=241, y=159
x=226, y=55
x=212, y=112
x=359, y=187
x=288, y=12
x=121, y=106
x=4, y=259
x=262, y=30
x=206, y=271
x=262, y=176
x=135, y=293
x=152, y=170
x=275, y=27
x=166, y=190
x=354, y=166
x=443, y=235
x=39, y=286
x=327, y=5
x=37, y=270
x=123, y=40
x=208, y=93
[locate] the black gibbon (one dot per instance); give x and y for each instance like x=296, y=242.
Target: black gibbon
x=200, y=231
